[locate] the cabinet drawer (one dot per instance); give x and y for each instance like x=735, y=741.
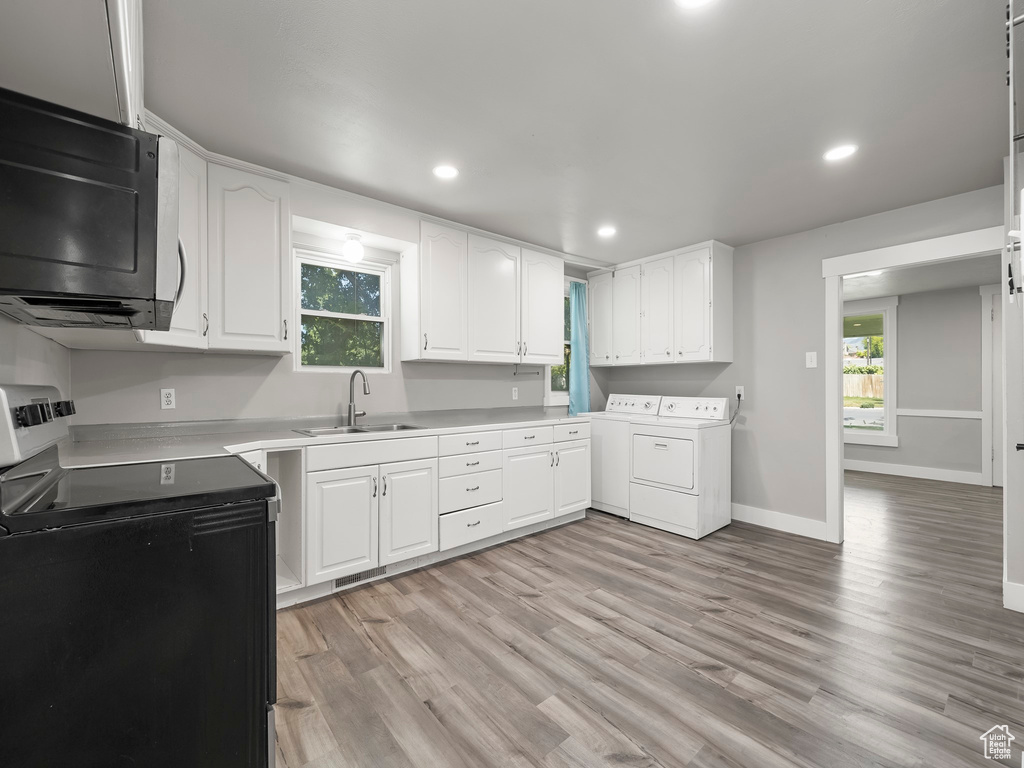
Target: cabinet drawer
x=464, y=491
x=470, y=525
x=469, y=463
x=565, y=432
x=363, y=454
x=518, y=438
x=468, y=442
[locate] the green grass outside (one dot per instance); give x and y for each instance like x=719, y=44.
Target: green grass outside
x=857, y=402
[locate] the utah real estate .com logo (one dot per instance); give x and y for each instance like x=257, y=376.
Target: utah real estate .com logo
x=997, y=742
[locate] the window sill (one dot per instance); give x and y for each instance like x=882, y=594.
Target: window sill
x=556, y=399
x=870, y=438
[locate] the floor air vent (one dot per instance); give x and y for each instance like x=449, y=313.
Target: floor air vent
x=363, y=575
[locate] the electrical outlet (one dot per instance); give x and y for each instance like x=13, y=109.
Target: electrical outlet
x=515, y=393
x=812, y=359
x=166, y=399
x=739, y=393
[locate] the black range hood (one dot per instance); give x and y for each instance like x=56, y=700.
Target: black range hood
x=88, y=220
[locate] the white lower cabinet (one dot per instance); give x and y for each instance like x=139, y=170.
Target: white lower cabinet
x=572, y=477
x=342, y=506
x=408, y=510
x=527, y=478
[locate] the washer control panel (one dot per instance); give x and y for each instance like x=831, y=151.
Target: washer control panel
x=707, y=408
x=633, y=404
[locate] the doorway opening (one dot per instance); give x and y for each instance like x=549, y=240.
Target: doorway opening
x=913, y=341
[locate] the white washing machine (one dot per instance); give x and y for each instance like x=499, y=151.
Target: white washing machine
x=681, y=466
x=609, y=450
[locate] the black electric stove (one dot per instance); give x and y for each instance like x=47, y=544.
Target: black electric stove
x=137, y=610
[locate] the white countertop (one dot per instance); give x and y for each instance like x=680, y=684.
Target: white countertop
x=191, y=442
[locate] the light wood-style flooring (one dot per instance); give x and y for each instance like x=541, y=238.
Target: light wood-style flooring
x=605, y=643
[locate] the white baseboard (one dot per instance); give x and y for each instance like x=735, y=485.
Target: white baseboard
x=779, y=521
x=1013, y=596
x=923, y=473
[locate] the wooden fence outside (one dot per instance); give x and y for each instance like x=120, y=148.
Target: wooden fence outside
x=863, y=385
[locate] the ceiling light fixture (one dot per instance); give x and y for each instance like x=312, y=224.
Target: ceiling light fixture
x=876, y=273
x=446, y=171
x=606, y=231
x=841, y=152
x=691, y=5
x=352, y=250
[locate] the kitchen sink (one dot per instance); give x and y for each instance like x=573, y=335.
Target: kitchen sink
x=387, y=427
x=321, y=431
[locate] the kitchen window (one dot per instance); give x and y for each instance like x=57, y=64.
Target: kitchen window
x=344, y=314
x=869, y=372
x=556, y=389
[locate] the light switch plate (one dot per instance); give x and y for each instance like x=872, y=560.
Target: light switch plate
x=812, y=359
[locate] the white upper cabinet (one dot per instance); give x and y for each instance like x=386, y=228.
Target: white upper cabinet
x=656, y=326
x=434, y=285
x=671, y=308
x=494, y=301
x=543, y=318
x=249, y=253
x=601, y=311
x=626, y=316
x=703, y=305
x=190, y=322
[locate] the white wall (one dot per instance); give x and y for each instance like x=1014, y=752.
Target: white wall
x=939, y=368
x=28, y=358
x=778, y=441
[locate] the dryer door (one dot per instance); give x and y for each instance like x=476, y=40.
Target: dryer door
x=667, y=461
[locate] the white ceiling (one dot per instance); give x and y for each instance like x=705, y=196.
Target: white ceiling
x=962, y=273
x=565, y=114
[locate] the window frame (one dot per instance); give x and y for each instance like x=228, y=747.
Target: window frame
x=326, y=258
x=553, y=398
x=887, y=306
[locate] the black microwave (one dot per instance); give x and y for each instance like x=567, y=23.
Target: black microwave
x=88, y=220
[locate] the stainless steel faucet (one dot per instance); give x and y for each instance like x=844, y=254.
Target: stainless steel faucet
x=353, y=414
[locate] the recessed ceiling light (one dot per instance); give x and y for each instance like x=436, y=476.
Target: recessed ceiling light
x=606, y=231
x=841, y=152
x=692, y=4
x=446, y=171
x=856, y=325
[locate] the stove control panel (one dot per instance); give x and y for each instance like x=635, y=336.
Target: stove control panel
x=633, y=404
x=706, y=408
x=31, y=418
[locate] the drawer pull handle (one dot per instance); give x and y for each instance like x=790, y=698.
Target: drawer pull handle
x=528, y=437
x=474, y=488
x=472, y=463
x=475, y=442
x=661, y=446
x=574, y=431
x=473, y=525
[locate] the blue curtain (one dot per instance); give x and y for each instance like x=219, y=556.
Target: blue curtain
x=579, y=362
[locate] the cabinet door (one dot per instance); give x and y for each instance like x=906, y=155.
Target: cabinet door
x=543, y=312
x=601, y=311
x=341, y=526
x=626, y=316
x=572, y=477
x=493, y=301
x=190, y=322
x=656, y=299
x=408, y=510
x=443, y=293
x=693, y=306
x=527, y=486
x=249, y=252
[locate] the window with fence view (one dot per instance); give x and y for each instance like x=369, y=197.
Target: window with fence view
x=864, y=372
